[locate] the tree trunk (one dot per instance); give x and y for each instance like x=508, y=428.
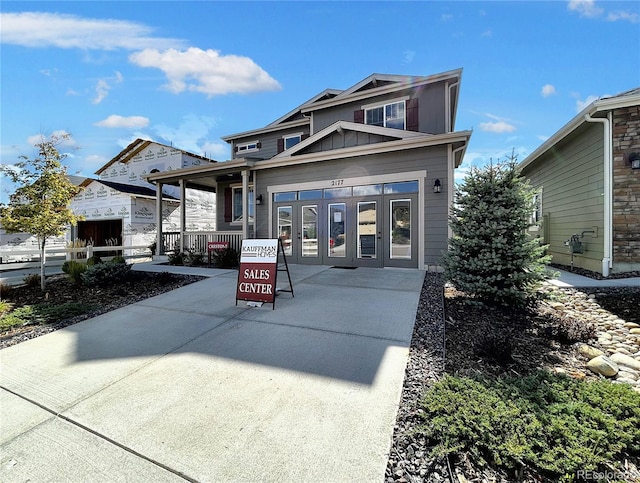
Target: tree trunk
x=43, y=261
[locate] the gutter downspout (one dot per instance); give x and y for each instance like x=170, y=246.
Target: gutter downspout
x=607, y=260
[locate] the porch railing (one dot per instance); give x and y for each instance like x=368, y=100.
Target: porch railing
x=196, y=241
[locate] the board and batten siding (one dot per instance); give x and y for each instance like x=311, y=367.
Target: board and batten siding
x=433, y=160
x=571, y=176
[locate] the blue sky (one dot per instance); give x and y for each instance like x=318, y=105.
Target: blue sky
x=188, y=73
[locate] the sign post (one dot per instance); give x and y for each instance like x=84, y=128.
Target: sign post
x=259, y=271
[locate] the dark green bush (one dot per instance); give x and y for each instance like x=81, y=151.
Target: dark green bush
x=193, y=259
x=176, y=258
x=94, y=260
x=226, y=258
x=552, y=424
x=104, y=274
x=569, y=331
x=74, y=270
x=32, y=280
x=5, y=290
x=165, y=278
x=118, y=259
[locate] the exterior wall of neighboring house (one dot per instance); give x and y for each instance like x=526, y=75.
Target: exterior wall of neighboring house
x=626, y=190
x=99, y=203
x=570, y=178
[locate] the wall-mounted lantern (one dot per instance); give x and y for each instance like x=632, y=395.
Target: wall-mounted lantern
x=634, y=160
x=437, y=187
x=259, y=200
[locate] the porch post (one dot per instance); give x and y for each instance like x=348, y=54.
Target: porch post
x=255, y=205
x=183, y=213
x=245, y=204
x=159, y=244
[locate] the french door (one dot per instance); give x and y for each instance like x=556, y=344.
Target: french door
x=368, y=231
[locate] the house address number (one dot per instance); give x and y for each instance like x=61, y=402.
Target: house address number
x=337, y=182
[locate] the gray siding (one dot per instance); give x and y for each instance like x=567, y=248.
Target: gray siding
x=347, y=139
x=431, y=106
x=269, y=143
x=433, y=160
x=572, y=179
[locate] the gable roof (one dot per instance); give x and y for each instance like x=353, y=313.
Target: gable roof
x=598, y=108
x=137, y=146
x=339, y=126
x=379, y=84
x=129, y=189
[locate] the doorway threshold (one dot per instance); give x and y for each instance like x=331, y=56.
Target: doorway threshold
x=346, y=268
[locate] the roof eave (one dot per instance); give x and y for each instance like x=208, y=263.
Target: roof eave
x=599, y=105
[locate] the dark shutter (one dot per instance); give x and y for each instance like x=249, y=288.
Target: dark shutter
x=304, y=136
x=258, y=145
x=228, y=205
x=413, y=122
x=235, y=148
x=280, y=145
x=358, y=116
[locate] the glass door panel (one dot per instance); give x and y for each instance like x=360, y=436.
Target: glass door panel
x=310, y=231
x=400, y=229
x=367, y=230
x=284, y=228
x=337, y=239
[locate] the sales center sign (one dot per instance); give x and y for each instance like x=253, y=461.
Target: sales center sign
x=258, y=269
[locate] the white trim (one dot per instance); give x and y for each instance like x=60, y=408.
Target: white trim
x=349, y=182
x=384, y=103
x=246, y=145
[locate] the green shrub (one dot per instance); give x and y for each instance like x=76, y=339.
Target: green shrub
x=32, y=280
x=193, y=259
x=5, y=289
x=226, y=258
x=43, y=314
x=491, y=256
x=176, y=258
x=550, y=423
x=74, y=270
x=104, y=274
x=118, y=259
x=94, y=260
x=165, y=278
x=5, y=307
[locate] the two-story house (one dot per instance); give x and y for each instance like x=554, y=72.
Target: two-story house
x=350, y=178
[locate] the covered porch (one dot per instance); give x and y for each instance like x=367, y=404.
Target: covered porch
x=206, y=178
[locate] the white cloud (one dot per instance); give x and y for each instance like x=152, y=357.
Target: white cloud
x=632, y=17
x=96, y=160
x=41, y=29
x=103, y=87
x=206, y=71
x=581, y=104
x=588, y=8
x=497, y=127
x=487, y=33
x=215, y=150
x=130, y=122
x=542, y=137
x=445, y=17
x=64, y=139
x=548, y=90
x=407, y=56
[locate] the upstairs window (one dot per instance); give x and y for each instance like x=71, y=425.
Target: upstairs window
x=290, y=141
x=248, y=147
x=388, y=115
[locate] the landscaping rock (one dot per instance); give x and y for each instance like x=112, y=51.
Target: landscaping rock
x=603, y=365
x=625, y=360
x=589, y=351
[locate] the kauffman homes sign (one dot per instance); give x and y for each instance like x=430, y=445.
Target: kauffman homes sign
x=258, y=269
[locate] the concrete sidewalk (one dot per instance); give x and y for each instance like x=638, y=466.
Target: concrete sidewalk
x=188, y=386
x=569, y=279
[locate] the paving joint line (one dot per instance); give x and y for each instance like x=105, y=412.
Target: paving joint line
x=101, y=436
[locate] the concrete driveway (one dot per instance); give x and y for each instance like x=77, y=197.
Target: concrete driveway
x=189, y=386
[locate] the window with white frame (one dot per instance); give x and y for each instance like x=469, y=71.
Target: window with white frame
x=248, y=147
x=386, y=115
x=290, y=141
x=237, y=204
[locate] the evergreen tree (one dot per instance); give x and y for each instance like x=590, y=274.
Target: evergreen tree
x=39, y=204
x=491, y=256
